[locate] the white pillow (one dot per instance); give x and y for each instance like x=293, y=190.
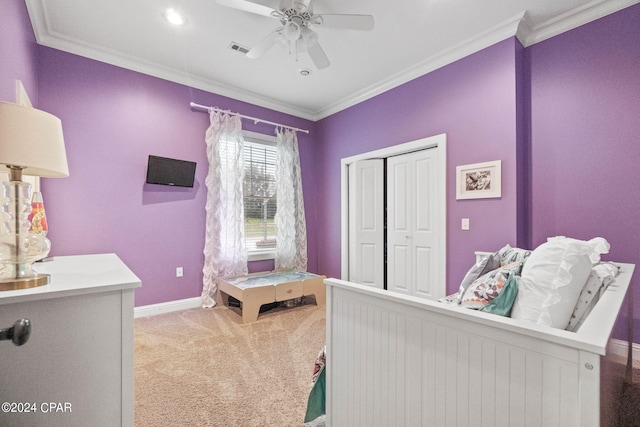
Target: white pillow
x=552, y=279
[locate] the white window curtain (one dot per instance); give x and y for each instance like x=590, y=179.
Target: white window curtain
x=224, y=251
x=291, y=227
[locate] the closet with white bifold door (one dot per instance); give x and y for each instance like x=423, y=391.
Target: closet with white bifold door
x=394, y=213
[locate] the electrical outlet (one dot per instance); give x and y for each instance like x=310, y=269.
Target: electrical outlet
x=465, y=223
x=179, y=272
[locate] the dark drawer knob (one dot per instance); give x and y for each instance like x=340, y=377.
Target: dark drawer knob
x=18, y=333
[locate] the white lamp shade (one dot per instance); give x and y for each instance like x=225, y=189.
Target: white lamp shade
x=32, y=139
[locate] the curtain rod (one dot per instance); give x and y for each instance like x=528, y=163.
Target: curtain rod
x=255, y=120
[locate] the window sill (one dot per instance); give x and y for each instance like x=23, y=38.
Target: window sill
x=262, y=255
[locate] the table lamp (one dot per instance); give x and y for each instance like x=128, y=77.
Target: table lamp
x=31, y=143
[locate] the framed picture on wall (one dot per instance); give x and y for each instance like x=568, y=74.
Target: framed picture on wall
x=479, y=180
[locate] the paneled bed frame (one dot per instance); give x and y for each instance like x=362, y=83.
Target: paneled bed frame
x=401, y=361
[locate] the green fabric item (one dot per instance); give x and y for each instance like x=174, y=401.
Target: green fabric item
x=503, y=303
x=316, y=403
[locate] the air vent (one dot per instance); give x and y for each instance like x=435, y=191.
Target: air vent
x=238, y=47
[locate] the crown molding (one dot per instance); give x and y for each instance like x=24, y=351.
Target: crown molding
x=45, y=36
x=166, y=73
x=532, y=34
x=520, y=26
x=485, y=39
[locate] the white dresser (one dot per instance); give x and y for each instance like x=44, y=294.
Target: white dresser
x=77, y=367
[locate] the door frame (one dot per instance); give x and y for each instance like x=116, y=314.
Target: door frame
x=439, y=141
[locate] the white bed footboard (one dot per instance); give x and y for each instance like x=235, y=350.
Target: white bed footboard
x=394, y=360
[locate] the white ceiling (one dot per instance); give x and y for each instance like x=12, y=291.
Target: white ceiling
x=410, y=38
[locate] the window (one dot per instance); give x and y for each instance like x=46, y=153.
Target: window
x=260, y=201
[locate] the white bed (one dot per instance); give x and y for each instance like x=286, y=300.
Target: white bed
x=396, y=360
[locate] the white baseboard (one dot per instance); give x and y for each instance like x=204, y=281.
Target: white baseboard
x=620, y=348
x=167, y=307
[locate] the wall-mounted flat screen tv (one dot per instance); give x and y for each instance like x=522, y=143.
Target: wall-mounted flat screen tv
x=165, y=171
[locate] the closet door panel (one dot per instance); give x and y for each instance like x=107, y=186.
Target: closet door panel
x=366, y=222
x=399, y=227
x=424, y=195
x=423, y=271
x=398, y=198
x=411, y=205
x=399, y=273
x=368, y=271
x=425, y=236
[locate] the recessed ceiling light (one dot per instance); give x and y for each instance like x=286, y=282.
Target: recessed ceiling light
x=174, y=17
x=304, y=72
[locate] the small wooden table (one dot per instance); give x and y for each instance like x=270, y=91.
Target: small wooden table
x=256, y=289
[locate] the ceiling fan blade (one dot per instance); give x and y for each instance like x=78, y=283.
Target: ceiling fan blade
x=266, y=44
x=318, y=56
x=248, y=6
x=345, y=22
x=309, y=36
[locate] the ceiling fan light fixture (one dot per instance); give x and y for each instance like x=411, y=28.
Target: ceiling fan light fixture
x=174, y=17
x=291, y=31
x=296, y=16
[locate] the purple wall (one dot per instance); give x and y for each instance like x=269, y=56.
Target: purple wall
x=562, y=115
x=18, y=52
x=476, y=109
x=113, y=119
x=585, y=137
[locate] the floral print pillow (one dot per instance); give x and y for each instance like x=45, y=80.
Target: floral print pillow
x=510, y=255
x=487, y=287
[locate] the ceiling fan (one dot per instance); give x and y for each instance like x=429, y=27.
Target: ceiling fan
x=296, y=17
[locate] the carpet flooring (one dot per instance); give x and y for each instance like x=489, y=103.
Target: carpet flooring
x=626, y=394
x=203, y=367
